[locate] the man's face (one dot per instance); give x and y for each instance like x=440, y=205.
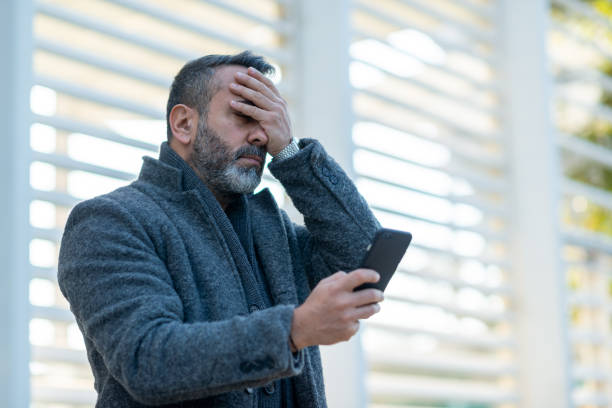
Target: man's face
x=230, y=149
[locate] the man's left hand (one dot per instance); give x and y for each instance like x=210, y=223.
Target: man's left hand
x=269, y=109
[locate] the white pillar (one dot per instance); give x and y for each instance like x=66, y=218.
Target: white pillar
x=325, y=113
x=15, y=78
x=542, y=336
x=323, y=85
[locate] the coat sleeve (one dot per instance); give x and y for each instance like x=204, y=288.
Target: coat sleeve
x=128, y=310
x=339, y=225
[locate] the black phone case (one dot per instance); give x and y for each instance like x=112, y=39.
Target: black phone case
x=384, y=256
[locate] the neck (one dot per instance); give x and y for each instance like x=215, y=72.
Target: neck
x=224, y=199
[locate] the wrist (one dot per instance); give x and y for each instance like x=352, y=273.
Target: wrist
x=289, y=150
x=292, y=346
x=296, y=340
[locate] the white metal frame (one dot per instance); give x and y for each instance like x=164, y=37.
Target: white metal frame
x=15, y=82
x=323, y=71
x=542, y=332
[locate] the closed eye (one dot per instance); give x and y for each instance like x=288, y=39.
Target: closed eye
x=243, y=117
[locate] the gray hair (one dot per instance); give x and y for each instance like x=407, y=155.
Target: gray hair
x=193, y=86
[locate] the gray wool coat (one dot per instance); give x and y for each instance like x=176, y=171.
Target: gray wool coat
x=158, y=298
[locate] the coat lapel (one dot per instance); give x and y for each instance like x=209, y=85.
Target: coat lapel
x=271, y=244
x=195, y=204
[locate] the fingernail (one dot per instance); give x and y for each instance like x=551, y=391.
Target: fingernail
x=240, y=74
x=233, y=85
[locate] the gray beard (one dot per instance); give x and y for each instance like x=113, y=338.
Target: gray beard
x=216, y=164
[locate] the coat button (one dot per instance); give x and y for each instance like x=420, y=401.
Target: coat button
x=248, y=390
x=253, y=308
x=269, y=389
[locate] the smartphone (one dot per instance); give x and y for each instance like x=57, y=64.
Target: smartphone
x=383, y=256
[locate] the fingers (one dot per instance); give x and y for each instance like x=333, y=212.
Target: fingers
x=365, y=312
x=336, y=276
x=257, y=85
x=354, y=328
x=249, y=94
x=360, y=276
x=260, y=95
x=249, y=110
x=263, y=79
x=345, y=281
x=366, y=297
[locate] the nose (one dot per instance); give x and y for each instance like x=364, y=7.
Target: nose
x=257, y=136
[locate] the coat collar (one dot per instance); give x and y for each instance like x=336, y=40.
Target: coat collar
x=272, y=246
x=269, y=233
x=161, y=174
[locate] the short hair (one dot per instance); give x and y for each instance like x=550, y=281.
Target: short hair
x=193, y=85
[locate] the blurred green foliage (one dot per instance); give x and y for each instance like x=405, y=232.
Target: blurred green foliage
x=603, y=6
x=598, y=131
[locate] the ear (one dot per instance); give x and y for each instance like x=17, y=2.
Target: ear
x=183, y=123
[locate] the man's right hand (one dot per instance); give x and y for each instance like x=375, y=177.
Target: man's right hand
x=332, y=311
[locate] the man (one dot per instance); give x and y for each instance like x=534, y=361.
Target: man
x=185, y=284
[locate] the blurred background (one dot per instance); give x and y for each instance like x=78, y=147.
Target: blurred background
x=484, y=127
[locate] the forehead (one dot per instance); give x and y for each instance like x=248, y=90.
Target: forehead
x=218, y=106
x=224, y=75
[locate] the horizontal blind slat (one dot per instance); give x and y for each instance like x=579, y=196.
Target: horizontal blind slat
x=495, y=209
x=480, y=107
x=484, y=232
x=480, y=342
x=595, y=195
x=101, y=62
x=440, y=364
x=589, y=150
x=71, y=164
x=479, y=34
x=197, y=27
x=88, y=23
x=103, y=98
x=588, y=239
x=455, y=127
x=437, y=392
x=455, y=310
x=58, y=395
x=480, y=85
x=75, y=126
x=503, y=289
x=449, y=46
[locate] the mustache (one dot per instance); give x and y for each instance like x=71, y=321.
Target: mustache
x=250, y=150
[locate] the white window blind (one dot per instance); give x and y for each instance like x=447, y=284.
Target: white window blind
x=102, y=73
x=581, y=60
x=430, y=159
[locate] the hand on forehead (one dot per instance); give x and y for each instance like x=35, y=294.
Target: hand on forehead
x=254, y=95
